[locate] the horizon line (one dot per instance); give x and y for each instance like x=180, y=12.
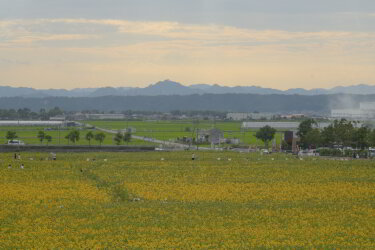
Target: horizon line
x=186, y=85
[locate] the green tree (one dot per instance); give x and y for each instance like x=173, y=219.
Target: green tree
x=100, y=137
x=328, y=136
x=371, y=138
x=43, y=115
x=118, y=138
x=24, y=113
x=89, y=136
x=127, y=137
x=266, y=134
x=73, y=136
x=11, y=135
x=313, y=138
x=303, y=129
x=343, y=131
x=361, y=137
x=48, y=138
x=41, y=136
x=54, y=112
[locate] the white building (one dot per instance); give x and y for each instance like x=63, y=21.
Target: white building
x=58, y=118
x=279, y=125
x=32, y=123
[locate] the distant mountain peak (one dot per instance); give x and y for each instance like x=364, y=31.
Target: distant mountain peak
x=167, y=83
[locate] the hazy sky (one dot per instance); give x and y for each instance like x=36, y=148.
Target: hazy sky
x=270, y=43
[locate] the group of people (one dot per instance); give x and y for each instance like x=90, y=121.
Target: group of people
x=17, y=156
x=22, y=166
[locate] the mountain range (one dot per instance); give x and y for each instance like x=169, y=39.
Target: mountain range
x=169, y=87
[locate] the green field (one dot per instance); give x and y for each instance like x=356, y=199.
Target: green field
x=166, y=200
x=177, y=126
x=161, y=130
x=170, y=130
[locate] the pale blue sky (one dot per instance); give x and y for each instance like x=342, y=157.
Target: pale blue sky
x=272, y=43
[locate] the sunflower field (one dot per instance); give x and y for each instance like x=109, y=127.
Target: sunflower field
x=167, y=200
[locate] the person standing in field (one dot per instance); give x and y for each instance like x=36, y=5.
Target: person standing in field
x=193, y=157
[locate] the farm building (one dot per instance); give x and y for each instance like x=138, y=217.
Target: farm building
x=130, y=130
x=211, y=135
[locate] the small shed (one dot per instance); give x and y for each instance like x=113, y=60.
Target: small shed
x=211, y=136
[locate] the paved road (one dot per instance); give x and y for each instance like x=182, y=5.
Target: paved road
x=164, y=143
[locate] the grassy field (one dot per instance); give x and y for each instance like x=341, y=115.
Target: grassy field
x=162, y=130
x=177, y=126
x=170, y=130
x=29, y=134
x=166, y=200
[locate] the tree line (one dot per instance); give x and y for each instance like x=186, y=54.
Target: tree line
x=74, y=136
x=43, y=114
x=341, y=133
x=27, y=114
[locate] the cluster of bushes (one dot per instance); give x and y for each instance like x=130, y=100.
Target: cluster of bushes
x=341, y=133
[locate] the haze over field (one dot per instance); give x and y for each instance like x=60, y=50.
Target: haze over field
x=273, y=44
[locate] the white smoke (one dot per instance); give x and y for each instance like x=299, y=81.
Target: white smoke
x=343, y=102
